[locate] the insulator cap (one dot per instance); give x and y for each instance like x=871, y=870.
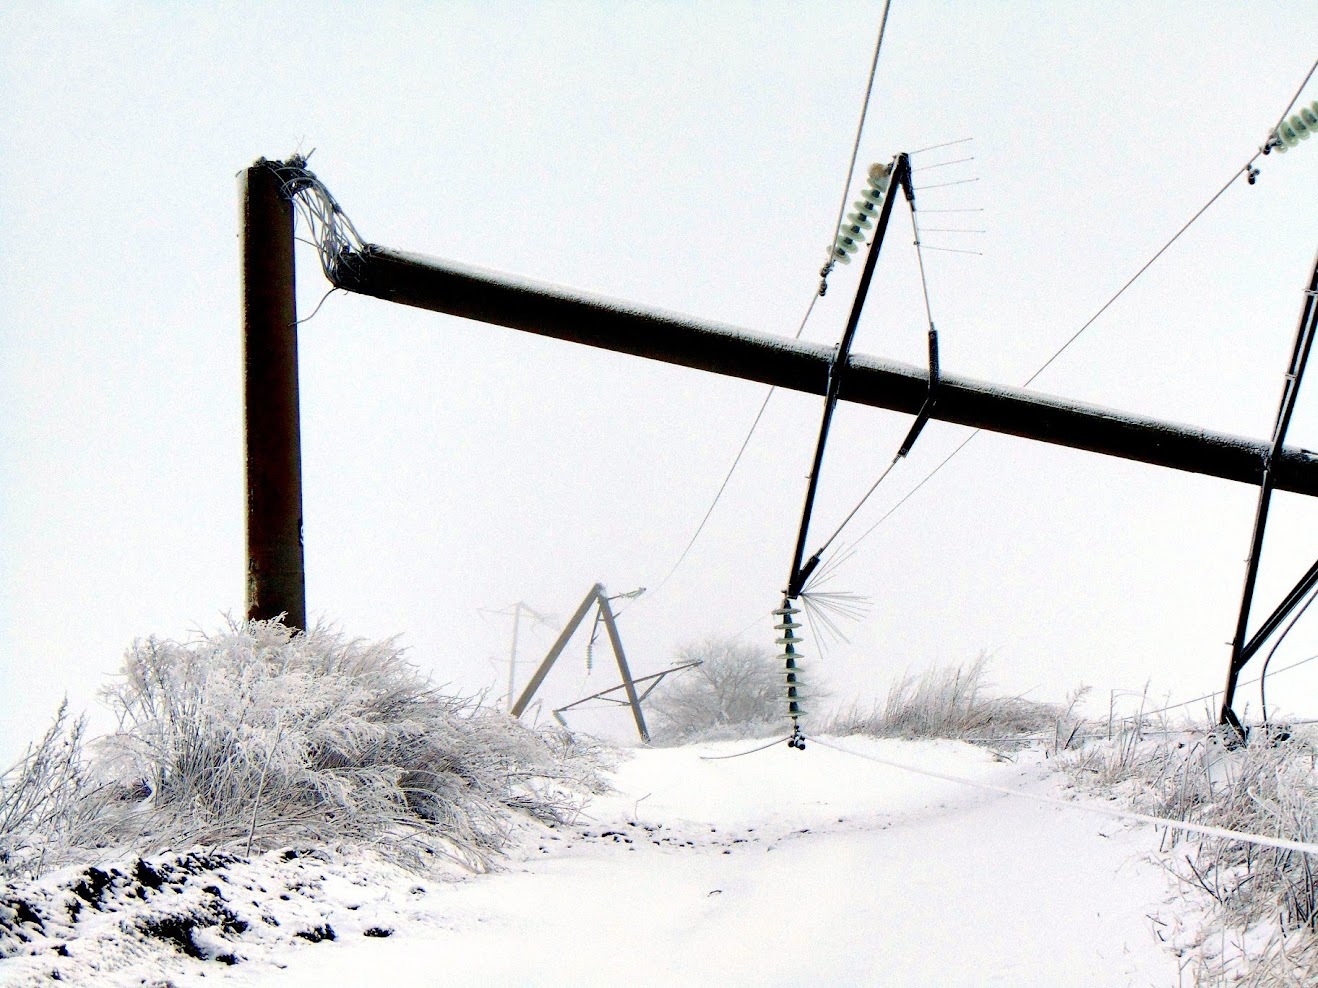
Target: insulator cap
x=880, y=171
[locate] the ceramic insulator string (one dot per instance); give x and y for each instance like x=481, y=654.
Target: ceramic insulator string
x=857, y=224
x=787, y=627
x=1300, y=126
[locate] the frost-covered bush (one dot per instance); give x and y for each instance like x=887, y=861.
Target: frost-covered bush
x=47, y=801
x=1263, y=901
x=257, y=735
x=737, y=691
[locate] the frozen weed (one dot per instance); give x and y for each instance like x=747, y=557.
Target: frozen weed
x=952, y=702
x=1263, y=926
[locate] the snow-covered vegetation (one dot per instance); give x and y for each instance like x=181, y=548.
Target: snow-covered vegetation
x=255, y=737
x=265, y=791
x=956, y=702
x=1261, y=902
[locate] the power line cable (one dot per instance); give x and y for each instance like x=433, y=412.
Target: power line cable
x=846, y=189
x=1213, y=696
x=1184, y=826
x=1246, y=169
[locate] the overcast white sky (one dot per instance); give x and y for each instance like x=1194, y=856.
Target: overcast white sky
x=686, y=156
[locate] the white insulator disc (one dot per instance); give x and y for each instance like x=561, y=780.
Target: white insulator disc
x=1288, y=134
x=847, y=244
x=865, y=205
x=841, y=256
x=872, y=195
x=1300, y=127
x=860, y=220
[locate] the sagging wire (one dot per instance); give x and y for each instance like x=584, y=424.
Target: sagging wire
x=1263, y=673
x=823, y=289
x=1275, y=141
x=1214, y=695
x=333, y=289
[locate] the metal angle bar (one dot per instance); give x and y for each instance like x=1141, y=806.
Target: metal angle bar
x=595, y=593
x=1304, y=335
x=922, y=418
x=499, y=299
x=900, y=178
x=616, y=640
x=1288, y=604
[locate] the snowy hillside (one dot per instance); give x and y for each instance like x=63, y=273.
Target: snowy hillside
x=778, y=868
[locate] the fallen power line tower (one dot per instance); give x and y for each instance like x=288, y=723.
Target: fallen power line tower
x=271, y=190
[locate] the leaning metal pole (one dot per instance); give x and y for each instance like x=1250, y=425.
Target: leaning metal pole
x=275, y=577
x=534, y=307
x=1242, y=649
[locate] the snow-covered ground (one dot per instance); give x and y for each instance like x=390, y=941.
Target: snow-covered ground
x=778, y=868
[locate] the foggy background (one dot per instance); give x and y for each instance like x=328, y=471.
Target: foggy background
x=684, y=156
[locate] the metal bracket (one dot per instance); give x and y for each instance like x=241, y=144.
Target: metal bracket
x=901, y=176
x=922, y=418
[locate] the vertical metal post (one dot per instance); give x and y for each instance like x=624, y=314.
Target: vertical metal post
x=512, y=656
x=616, y=641
x=276, y=582
x=1241, y=649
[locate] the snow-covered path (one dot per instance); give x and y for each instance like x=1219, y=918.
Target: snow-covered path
x=789, y=868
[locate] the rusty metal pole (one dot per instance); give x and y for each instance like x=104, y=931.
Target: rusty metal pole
x=276, y=582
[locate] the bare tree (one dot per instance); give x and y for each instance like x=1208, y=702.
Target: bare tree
x=737, y=690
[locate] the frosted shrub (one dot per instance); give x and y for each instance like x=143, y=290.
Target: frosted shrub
x=953, y=702
x=47, y=802
x=257, y=736
x=1263, y=926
